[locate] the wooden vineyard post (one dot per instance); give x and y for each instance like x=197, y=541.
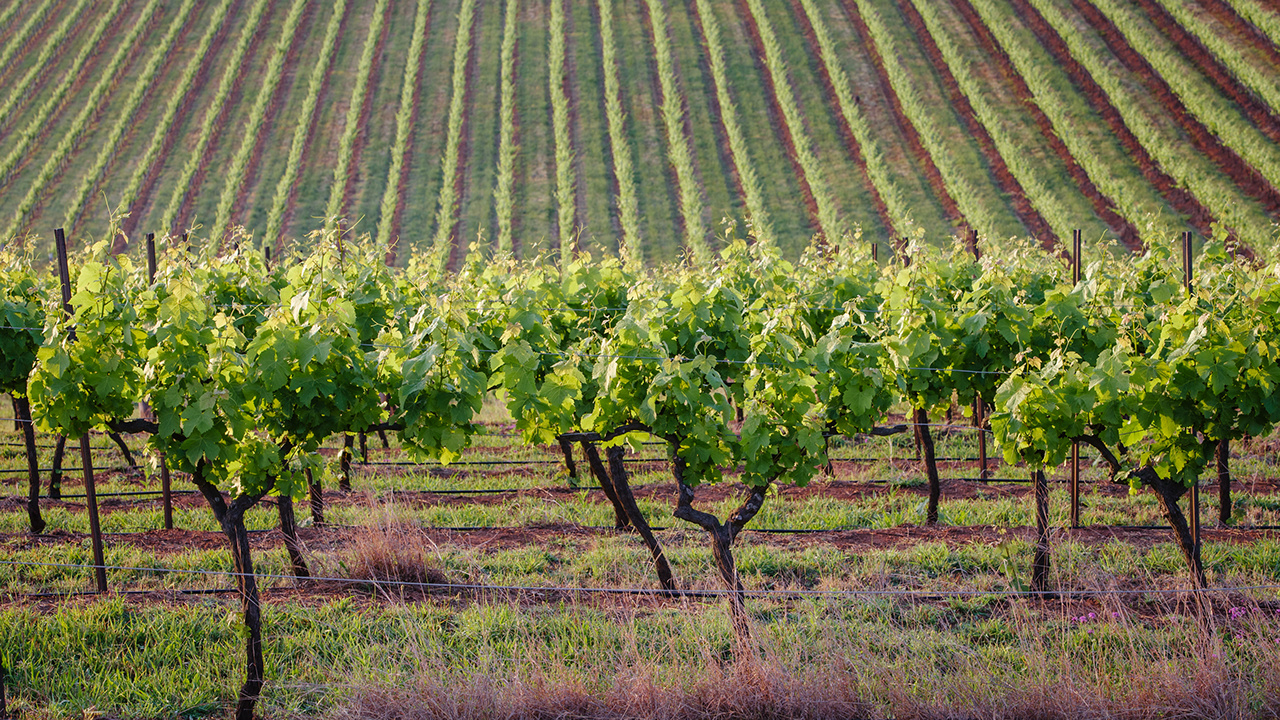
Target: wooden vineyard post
x=1076, y=262
x=1223, y=457
x=86, y=454
x=1195, y=487
x=166, y=483
x=875, y=251
x=979, y=406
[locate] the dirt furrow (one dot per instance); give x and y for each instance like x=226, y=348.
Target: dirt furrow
x=458, y=247
x=220, y=123
x=655, y=94
x=1228, y=161
x=931, y=172
x=1243, y=29
x=130, y=224
x=1125, y=229
x=1008, y=184
x=278, y=102
x=1182, y=200
x=291, y=204
x=597, y=50
x=846, y=133
x=775, y=114
x=358, y=143
x=1197, y=53
x=37, y=37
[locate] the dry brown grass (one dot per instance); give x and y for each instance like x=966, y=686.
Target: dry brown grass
x=392, y=555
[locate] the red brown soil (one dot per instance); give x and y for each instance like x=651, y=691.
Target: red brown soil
x=291, y=204
x=457, y=248
x=1008, y=184
x=846, y=133
x=220, y=121
x=1182, y=200
x=41, y=33
x=1195, y=51
x=1244, y=30
x=776, y=117
x=279, y=99
x=597, y=50
x=90, y=71
x=170, y=59
x=904, y=125
x=130, y=224
x=518, y=173
x=655, y=99
x=1122, y=227
x=1230, y=163
x=366, y=112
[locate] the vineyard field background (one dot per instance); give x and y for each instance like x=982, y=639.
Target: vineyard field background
x=543, y=124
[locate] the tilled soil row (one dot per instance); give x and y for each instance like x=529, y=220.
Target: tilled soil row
x=457, y=247
x=1008, y=184
x=776, y=118
x=846, y=133
x=1181, y=199
x=908, y=131
x=1101, y=205
x=1228, y=161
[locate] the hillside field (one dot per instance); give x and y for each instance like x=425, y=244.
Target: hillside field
x=548, y=125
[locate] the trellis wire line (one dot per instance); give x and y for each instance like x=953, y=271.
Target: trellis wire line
x=652, y=591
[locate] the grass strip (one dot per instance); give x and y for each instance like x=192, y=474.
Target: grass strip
x=235, y=177
x=761, y=223
x=232, y=72
x=1167, y=147
x=1107, y=165
x=404, y=128
x=447, y=205
x=502, y=194
x=125, y=116
x=679, y=153
x=566, y=206
x=108, y=78
x=346, y=145
x=619, y=145
x=302, y=124
x=39, y=123
x=178, y=99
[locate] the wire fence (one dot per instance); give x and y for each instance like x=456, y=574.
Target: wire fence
x=649, y=591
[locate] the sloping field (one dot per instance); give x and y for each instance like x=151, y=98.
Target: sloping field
x=549, y=125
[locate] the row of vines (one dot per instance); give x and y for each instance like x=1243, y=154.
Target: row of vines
x=743, y=366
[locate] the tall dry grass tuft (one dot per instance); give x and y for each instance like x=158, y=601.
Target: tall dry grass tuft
x=750, y=689
x=392, y=555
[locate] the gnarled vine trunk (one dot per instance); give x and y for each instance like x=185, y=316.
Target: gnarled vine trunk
x=1168, y=493
x=55, y=470
x=22, y=413
x=1040, y=560
x=231, y=520
x=721, y=536
x=617, y=487
x=289, y=528
x=1223, y=457
x=344, y=462
x=930, y=465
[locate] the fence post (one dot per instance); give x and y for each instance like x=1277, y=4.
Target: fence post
x=1195, y=487
x=1077, y=247
x=166, y=483
x=86, y=454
